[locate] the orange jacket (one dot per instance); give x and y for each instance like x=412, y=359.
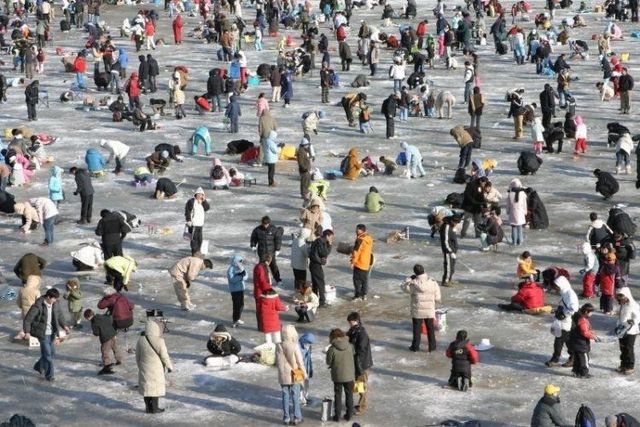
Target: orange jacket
x=362, y=251
x=353, y=165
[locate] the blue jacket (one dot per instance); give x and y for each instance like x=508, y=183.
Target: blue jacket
x=270, y=148
x=233, y=109
x=55, y=184
x=413, y=154
x=234, y=70
x=123, y=59
x=95, y=162
x=236, y=281
x=307, y=338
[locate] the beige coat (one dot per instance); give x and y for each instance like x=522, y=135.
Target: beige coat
x=425, y=292
x=29, y=213
x=461, y=136
x=187, y=268
x=28, y=294
x=288, y=355
x=266, y=124
x=152, y=361
x=311, y=220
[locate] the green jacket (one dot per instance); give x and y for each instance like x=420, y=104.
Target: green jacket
x=373, y=202
x=74, y=297
x=340, y=358
x=125, y=265
x=547, y=413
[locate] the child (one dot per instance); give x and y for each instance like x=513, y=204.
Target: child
x=270, y=307
x=589, y=271
x=608, y=276
x=236, y=275
x=261, y=104
x=257, y=43
x=390, y=165
x=56, y=191
x=178, y=100
x=237, y=178
x=307, y=305
x=306, y=342
x=74, y=298
x=536, y=135
x=102, y=326
x=40, y=59
x=223, y=347
x=579, y=343
x=462, y=355
x=364, y=120
x=581, y=137
x=526, y=267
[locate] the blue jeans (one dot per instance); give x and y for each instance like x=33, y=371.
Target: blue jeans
x=404, y=113
x=47, y=352
x=291, y=392
x=80, y=81
x=257, y=45
x=622, y=157
x=48, y=225
x=397, y=85
x=516, y=234
x=467, y=90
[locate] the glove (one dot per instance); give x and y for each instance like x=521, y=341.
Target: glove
x=452, y=255
x=254, y=248
x=169, y=370
x=188, y=223
x=277, y=253
x=75, y=193
x=315, y=131
x=630, y=321
x=582, y=270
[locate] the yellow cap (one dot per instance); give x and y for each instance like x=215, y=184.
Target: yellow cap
x=551, y=390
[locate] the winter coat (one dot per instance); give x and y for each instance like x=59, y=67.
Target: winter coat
x=266, y=124
x=548, y=100
x=311, y=220
x=425, y=292
x=261, y=281
x=516, y=203
x=473, y=197
x=35, y=322
x=397, y=71
x=448, y=239
x=270, y=306
x=353, y=165
x=125, y=265
x=580, y=335
x=152, y=358
x=310, y=339
x=389, y=106
x=233, y=111
x=83, y=183
x=270, y=148
x=625, y=143
x=154, y=68
x=476, y=104
x=547, y=413
x=536, y=130
x=115, y=149
x=597, y=232
x=74, y=298
x=123, y=58
x=112, y=228
x=187, y=269
x=29, y=265
x=344, y=51
x=629, y=313
x=373, y=202
x=189, y=211
x=56, y=192
x=530, y=295
x=236, y=274
x=143, y=69
x=568, y=301
x=29, y=215
x=310, y=123
x=412, y=154
x=462, y=355
x=215, y=83
x=536, y=211
x=462, y=137
x=359, y=338
x=362, y=255
x=303, y=157
x=300, y=250
x=102, y=326
x=32, y=93
x=607, y=185
x=289, y=356
x=222, y=347
x=90, y=255
x=340, y=359
x=590, y=260
x=268, y=240
x=224, y=179
x=117, y=305
x=319, y=251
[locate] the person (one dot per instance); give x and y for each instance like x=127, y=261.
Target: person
x=579, y=342
x=176, y=26
x=73, y=295
x=627, y=329
x=270, y=155
x=621, y=420
x=194, y=213
x=465, y=142
x=476, y=105
x=625, y=85
x=118, y=151
x=319, y=251
x=236, y=275
x=325, y=82
x=119, y=307
x=266, y=239
x=591, y=268
x=547, y=105
x=353, y=165
x=373, y=57
x=449, y=247
x=87, y=257
x=269, y=312
x=113, y=229
x=84, y=188
x=304, y=158
x=373, y=202
x=56, y=190
x=32, y=97
x=359, y=338
x=219, y=176
x=118, y=269
x=152, y=359
x=425, y=292
x=598, y=231
x=300, y=256
x=47, y=216
x=361, y=262
x=28, y=216
x=291, y=375
x=158, y=162
x=29, y=270
x=414, y=160
x=462, y=355
x=165, y=188
x=517, y=211
x=547, y=411
x=183, y=273
x=341, y=360
x=311, y=216
x=233, y=113
x=306, y=304
x=526, y=267
x=568, y=306
x=528, y=299
x=102, y=327
x=490, y=228
x=306, y=342
x=606, y=185
x=45, y=320
x=223, y=347
x=389, y=107
x=95, y=162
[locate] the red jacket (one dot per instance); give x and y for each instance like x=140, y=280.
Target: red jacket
x=341, y=33
x=530, y=295
x=260, y=280
x=132, y=87
x=270, y=306
x=121, y=308
x=149, y=29
x=606, y=278
x=584, y=327
x=80, y=65
x=471, y=351
x=177, y=28
x=422, y=29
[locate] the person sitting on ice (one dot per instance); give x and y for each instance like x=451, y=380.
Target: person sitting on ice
x=237, y=177
x=219, y=176
x=529, y=298
x=223, y=347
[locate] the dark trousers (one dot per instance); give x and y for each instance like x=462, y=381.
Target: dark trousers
x=112, y=249
x=449, y=265
x=116, y=279
x=317, y=281
x=196, y=239
x=431, y=334
x=373, y=68
x=347, y=110
x=237, y=298
x=271, y=170
x=325, y=94
x=305, y=180
x=86, y=207
x=118, y=165
x=337, y=398
x=627, y=355
x=546, y=119
x=275, y=271
x=580, y=364
x=360, y=282
x=299, y=277
x=465, y=156
x=390, y=127
x=31, y=111
x=558, y=343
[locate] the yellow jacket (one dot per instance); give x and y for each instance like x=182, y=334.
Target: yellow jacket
x=362, y=252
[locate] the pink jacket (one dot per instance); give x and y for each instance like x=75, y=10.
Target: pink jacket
x=261, y=105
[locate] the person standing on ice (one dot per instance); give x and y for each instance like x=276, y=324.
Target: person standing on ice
x=449, y=246
x=414, y=160
x=570, y=305
x=266, y=239
x=359, y=338
x=628, y=330
x=84, y=188
x=194, y=213
x=425, y=292
x=361, y=262
x=152, y=359
x=183, y=273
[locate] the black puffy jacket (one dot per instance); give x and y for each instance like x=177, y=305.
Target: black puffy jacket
x=359, y=338
x=268, y=240
x=112, y=228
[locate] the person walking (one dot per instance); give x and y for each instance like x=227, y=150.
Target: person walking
x=44, y=321
x=194, y=213
x=291, y=375
x=341, y=360
x=625, y=84
x=266, y=239
x=361, y=262
x=84, y=188
x=476, y=105
x=183, y=273
x=318, y=253
x=152, y=359
x=425, y=292
x=359, y=338
x=627, y=329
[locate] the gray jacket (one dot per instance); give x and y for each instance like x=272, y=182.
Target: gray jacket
x=35, y=322
x=547, y=413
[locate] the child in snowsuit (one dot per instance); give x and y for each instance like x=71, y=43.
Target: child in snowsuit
x=102, y=327
x=608, y=274
x=579, y=343
x=581, y=136
x=73, y=295
x=462, y=355
x=591, y=267
x=526, y=267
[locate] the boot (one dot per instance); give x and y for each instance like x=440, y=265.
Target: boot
x=154, y=405
x=148, y=408
x=628, y=170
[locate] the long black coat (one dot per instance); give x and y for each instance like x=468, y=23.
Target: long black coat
x=537, y=212
x=359, y=338
x=112, y=228
x=31, y=93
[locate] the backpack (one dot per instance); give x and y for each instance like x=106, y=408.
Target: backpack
x=401, y=159
x=585, y=417
x=217, y=172
x=344, y=164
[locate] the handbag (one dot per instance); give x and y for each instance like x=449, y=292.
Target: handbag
x=297, y=375
x=559, y=314
x=359, y=387
x=186, y=234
